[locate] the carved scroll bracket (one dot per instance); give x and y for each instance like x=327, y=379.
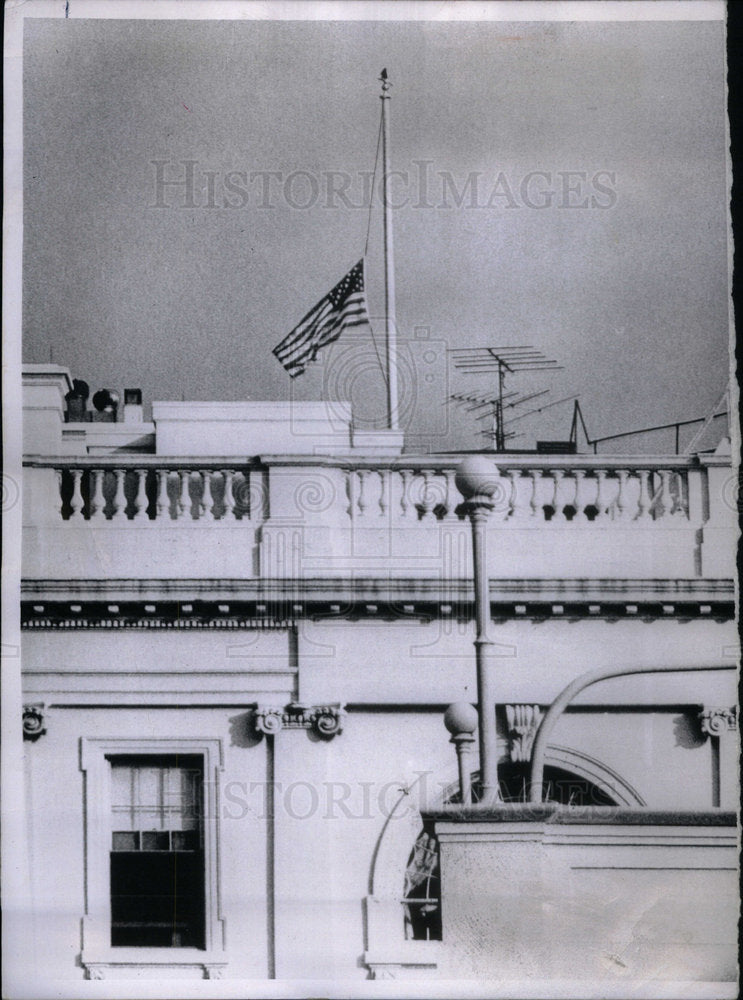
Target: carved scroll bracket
x=34, y=721
x=718, y=721
x=324, y=720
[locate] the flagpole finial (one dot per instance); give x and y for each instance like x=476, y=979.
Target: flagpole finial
x=385, y=82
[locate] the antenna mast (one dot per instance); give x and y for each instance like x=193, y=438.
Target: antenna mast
x=500, y=361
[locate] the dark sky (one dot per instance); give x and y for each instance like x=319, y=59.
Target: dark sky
x=628, y=293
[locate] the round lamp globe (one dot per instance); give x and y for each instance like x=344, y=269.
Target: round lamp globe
x=477, y=476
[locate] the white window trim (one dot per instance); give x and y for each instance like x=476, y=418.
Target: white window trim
x=97, y=953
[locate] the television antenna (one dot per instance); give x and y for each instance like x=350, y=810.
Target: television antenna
x=499, y=361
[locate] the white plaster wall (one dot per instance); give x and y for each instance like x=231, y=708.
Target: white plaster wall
x=434, y=663
x=109, y=666
x=326, y=839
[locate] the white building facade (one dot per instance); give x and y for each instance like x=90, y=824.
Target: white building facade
x=243, y=624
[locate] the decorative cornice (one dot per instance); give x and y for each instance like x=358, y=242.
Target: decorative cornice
x=325, y=720
x=718, y=721
x=34, y=721
x=60, y=618
x=214, y=604
x=523, y=722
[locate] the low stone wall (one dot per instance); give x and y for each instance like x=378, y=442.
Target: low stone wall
x=600, y=894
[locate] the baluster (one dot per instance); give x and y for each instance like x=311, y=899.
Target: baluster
x=599, y=503
x=643, y=502
x=427, y=500
x=405, y=494
x=230, y=510
x=361, y=500
x=120, y=496
x=76, y=501
x=97, y=499
x=162, y=505
x=383, y=489
x=578, y=475
x=557, y=475
x=451, y=495
x=533, y=500
x=500, y=497
x=184, y=498
x=140, y=501
x=660, y=499
x=679, y=507
x=513, y=475
x=206, y=503
x=245, y=498
x=58, y=477
x=620, y=501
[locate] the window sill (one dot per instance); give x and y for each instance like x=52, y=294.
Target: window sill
x=212, y=963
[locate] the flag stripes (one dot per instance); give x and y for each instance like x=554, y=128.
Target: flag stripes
x=344, y=306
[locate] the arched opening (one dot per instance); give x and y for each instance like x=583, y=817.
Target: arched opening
x=561, y=785
x=422, y=895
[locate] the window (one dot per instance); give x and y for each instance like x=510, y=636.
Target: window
x=422, y=891
x=152, y=893
x=157, y=852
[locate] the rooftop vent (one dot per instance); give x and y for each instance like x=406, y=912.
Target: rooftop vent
x=77, y=402
x=106, y=404
x=133, y=413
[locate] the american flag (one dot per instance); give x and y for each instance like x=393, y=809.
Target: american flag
x=342, y=307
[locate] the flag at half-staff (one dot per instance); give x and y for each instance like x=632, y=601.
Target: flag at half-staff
x=344, y=306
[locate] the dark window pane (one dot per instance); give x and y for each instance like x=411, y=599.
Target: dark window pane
x=157, y=900
x=184, y=840
x=155, y=840
x=125, y=840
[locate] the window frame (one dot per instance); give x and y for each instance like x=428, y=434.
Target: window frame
x=97, y=951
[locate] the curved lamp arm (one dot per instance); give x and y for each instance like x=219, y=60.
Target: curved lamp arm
x=562, y=701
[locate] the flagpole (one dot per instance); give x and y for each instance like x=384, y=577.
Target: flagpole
x=389, y=268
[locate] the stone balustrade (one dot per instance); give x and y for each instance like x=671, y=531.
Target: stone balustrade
x=527, y=492
x=318, y=516
x=122, y=490
x=531, y=491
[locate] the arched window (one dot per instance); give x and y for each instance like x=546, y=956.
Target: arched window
x=561, y=785
x=422, y=895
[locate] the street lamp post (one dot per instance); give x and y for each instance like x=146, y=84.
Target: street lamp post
x=477, y=481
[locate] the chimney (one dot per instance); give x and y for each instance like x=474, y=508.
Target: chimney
x=133, y=413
